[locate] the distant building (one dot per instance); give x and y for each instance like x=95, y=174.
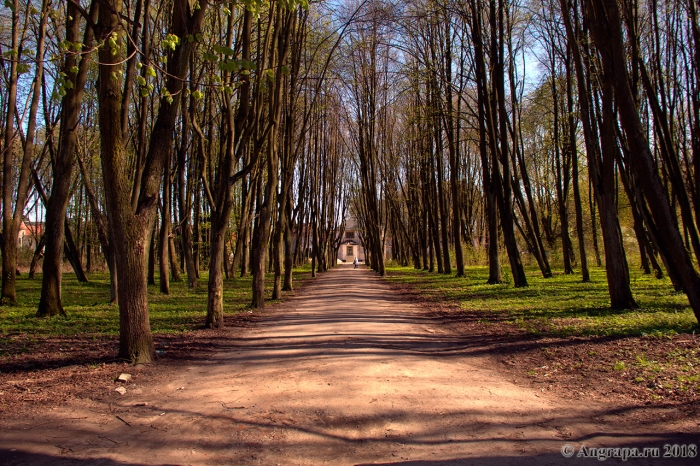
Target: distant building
x=29, y=233
x=351, y=244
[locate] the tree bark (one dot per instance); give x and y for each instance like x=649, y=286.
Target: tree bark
x=485, y=127
x=606, y=24
x=9, y=226
x=131, y=226
x=500, y=153
x=453, y=147
x=184, y=200
x=585, y=274
x=104, y=234
x=50, y=301
x=164, y=243
x=38, y=254
x=12, y=219
x=601, y=166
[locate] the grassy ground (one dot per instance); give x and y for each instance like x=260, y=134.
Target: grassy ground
x=561, y=305
x=89, y=312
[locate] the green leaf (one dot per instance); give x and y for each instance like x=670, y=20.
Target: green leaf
x=210, y=57
x=224, y=50
x=231, y=66
x=167, y=96
x=171, y=42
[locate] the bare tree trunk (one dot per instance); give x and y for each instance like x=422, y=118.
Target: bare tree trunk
x=151, y=277
x=9, y=226
x=435, y=214
x=136, y=343
x=594, y=227
x=215, y=303
x=174, y=271
x=196, y=228
x=288, y=253
x=485, y=127
x=505, y=193
x=184, y=202
x=131, y=227
x=442, y=203
x=164, y=243
x=261, y=236
x=606, y=25
x=561, y=161
x=585, y=274
x=73, y=255
x=104, y=234
x=38, y=253
x=601, y=166
x=50, y=301
x=453, y=147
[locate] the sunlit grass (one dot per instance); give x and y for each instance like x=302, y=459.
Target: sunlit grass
x=561, y=305
x=89, y=312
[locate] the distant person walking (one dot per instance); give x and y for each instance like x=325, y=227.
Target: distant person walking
x=355, y=262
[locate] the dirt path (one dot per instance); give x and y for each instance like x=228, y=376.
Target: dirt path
x=347, y=372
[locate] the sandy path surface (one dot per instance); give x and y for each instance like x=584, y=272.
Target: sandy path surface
x=346, y=372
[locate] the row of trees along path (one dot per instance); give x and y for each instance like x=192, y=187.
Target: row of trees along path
x=240, y=136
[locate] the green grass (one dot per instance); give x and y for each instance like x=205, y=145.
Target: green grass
x=89, y=312
x=561, y=305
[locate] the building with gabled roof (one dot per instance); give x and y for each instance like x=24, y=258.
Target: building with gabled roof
x=351, y=243
x=29, y=233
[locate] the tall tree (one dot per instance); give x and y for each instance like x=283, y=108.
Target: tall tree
x=132, y=226
x=600, y=150
x=14, y=195
x=606, y=27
